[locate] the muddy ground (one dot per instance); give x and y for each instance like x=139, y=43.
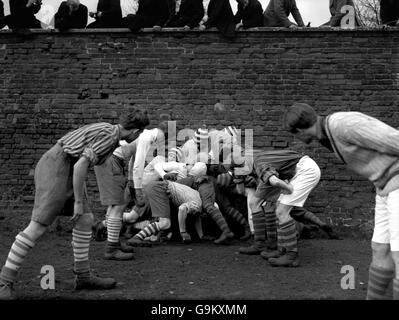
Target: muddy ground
x=197, y=271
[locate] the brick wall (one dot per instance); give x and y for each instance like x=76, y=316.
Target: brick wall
x=52, y=83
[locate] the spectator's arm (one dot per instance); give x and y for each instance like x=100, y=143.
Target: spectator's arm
x=297, y=15
x=60, y=21
x=199, y=14
x=112, y=11
x=82, y=20
x=280, y=13
x=255, y=17
x=216, y=13
x=238, y=15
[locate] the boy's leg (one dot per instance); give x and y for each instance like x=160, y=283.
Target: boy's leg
x=382, y=268
x=207, y=194
x=159, y=202
x=226, y=207
x=182, y=217
x=287, y=238
x=52, y=189
x=393, y=208
x=306, y=178
x=259, y=220
x=114, y=249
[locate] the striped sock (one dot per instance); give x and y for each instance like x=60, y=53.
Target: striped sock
x=395, y=289
x=312, y=218
x=259, y=226
x=236, y=215
x=19, y=249
x=379, y=280
x=114, y=226
x=80, y=245
x=151, y=229
x=271, y=226
x=217, y=216
x=287, y=236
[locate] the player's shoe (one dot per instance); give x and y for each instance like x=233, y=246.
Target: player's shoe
x=137, y=242
x=253, y=249
x=6, y=291
x=290, y=259
x=93, y=282
x=225, y=238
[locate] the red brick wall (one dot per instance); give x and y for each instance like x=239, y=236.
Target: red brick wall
x=52, y=83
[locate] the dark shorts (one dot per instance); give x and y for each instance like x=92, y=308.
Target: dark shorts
x=158, y=198
x=112, y=182
x=53, y=186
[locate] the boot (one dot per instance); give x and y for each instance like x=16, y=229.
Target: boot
x=290, y=259
x=92, y=282
x=254, y=249
x=6, y=291
x=185, y=237
x=247, y=233
x=225, y=238
x=268, y=254
x=137, y=242
x=330, y=232
x=115, y=253
x=124, y=247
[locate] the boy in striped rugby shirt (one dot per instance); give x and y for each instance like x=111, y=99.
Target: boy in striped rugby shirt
x=112, y=181
x=284, y=172
x=60, y=175
x=370, y=148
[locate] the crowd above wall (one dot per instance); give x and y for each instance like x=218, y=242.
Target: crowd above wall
x=186, y=14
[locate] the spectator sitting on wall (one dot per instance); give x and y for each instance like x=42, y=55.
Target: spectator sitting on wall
x=277, y=12
x=389, y=12
x=220, y=15
x=71, y=15
x=189, y=16
x=108, y=15
x=336, y=15
x=249, y=14
x=150, y=14
x=22, y=15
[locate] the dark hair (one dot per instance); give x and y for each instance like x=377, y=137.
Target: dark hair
x=299, y=116
x=136, y=119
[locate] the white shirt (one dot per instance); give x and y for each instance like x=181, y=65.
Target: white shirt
x=129, y=7
x=136, y=167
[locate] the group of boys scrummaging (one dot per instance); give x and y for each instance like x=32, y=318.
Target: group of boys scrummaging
x=196, y=178
x=186, y=14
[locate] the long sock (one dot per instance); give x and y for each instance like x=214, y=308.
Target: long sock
x=379, y=280
x=237, y=216
x=217, y=216
x=114, y=226
x=259, y=226
x=271, y=226
x=310, y=216
x=80, y=245
x=151, y=229
x=19, y=249
x=287, y=236
x=395, y=289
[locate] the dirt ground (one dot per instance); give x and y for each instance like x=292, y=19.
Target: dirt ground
x=197, y=271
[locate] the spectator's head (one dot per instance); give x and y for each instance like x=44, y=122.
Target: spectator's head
x=175, y=154
x=301, y=119
x=201, y=137
x=244, y=3
x=73, y=4
x=132, y=124
x=199, y=169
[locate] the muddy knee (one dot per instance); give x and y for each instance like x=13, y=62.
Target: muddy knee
x=85, y=221
x=164, y=223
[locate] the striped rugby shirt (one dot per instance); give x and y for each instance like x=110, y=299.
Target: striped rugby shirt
x=93, y=141
x=367, y=146
x=266, y=163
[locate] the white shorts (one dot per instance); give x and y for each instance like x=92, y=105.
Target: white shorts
x=307, y=176
x=386, y=220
